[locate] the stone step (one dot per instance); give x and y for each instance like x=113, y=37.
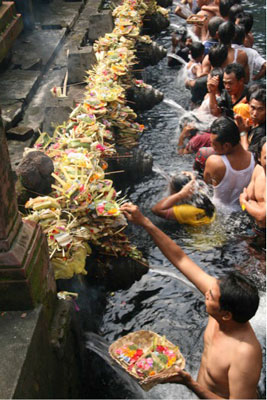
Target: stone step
x=7, y=12
x=9, y=35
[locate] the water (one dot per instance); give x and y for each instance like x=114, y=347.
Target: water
x=174, y=105
x=180, y=59
x=163, y=300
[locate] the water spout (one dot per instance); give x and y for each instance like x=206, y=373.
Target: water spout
x=178, y=58
x=173, y=274
x=100, y=346
x=174, y=105
x=156, y=168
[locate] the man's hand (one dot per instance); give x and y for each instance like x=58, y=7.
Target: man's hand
x=133, y=213
x=242, y=124
x=213, y=83
x=243, y=196
x=181, y=377
x=188, y=189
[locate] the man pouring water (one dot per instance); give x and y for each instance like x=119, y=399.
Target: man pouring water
x=232, y=358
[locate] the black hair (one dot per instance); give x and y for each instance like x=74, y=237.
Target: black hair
x=259, y=95
x=226, y=32
x=200, y=200
x=247, y=20
x=225, y=5
x=239, y=295
x=196, y=49
x=235, y=11
x=253, y=88
x=218, y=72
x=217, y=55
x=226, y=131
x=213, y=25
x=260, y=145
x=240, y=34
x=237, y=69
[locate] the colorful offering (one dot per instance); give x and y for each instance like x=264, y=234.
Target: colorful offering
x=145, y=354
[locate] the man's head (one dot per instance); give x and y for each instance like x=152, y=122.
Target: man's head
x=226, y=32
x=246, y=20
x=262, y=153
x=224, y=135
x=225, y=6
x=234, y=79
x=240, y=35
x=218, y=55
x=235, y=11
x=213, y=26
x=257, y=103
x=197, y=51
x=238, y=296
x=178, y=182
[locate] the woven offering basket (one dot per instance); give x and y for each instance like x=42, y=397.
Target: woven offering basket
x=148, y=342
x=196, y=19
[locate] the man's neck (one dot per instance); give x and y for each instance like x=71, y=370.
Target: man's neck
x=231, y=326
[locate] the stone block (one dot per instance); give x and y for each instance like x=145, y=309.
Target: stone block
x=20, y=133
x=80, y=61
x=99, y=25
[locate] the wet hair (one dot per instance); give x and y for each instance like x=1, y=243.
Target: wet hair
x=226, y=32
x=218, y=55
x=239, y=295
x=225, y=6
x=218, y=72
x=261, y=143
x=259, y=95
x=240, y=34
x=226, y=131
x=237, y=69
x=196, y=49
x=253, y=88
x=200, y=200
x=247, y=20
x=213, y=25
x=235, y=11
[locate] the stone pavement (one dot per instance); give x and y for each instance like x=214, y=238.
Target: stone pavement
x=39, y=62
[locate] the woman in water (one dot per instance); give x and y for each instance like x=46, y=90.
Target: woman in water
x=186, y=204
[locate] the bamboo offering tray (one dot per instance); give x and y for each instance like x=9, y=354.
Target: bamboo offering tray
x=147, y=356
x=196, y=19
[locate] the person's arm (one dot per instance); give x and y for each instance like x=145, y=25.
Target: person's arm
x=243, y=126
x=184, y=134
x=184, y=378
x=163, y=207
x=242, y=59
x=261, y=73
x=206, y=65
x=214, y=170
x=170, y=249
x=212, y=85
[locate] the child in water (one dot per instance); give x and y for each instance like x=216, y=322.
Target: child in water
x=185, y=204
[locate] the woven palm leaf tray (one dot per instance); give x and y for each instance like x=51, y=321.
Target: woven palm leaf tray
x=147, y=356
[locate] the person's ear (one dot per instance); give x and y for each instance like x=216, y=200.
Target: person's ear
x=227, y=316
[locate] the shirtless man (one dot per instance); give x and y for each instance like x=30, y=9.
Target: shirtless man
x=231, y=168
x=231, y=361
x=226, y=32
x=253, y=198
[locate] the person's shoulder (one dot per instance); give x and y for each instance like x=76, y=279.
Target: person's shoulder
x=215, y=160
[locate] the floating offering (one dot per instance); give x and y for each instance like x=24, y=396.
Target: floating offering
x=146, y=355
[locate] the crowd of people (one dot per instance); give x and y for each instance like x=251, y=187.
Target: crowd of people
x=230, y=156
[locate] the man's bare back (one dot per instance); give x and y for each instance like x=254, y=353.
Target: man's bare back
x=221, y=352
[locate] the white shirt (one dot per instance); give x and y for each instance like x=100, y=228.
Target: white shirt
x=255, y=60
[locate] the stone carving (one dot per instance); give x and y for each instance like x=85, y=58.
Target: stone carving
x=144, y=98
x=35, y=172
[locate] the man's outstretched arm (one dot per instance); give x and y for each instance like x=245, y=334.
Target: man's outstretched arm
x=170, y=249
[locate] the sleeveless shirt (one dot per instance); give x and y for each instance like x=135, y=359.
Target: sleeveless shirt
x=229, y=189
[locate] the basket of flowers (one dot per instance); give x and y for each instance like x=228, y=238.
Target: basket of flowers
x=147, y=356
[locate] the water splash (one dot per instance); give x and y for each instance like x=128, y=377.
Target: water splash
x=156, y=168
x=174, y=275
x=176, y=57
x=174, y=105
x=100, y=346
